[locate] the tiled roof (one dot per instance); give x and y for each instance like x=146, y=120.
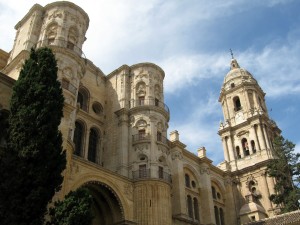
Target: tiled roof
x=291, y=218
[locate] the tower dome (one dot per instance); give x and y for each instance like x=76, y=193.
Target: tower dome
x=236, y=76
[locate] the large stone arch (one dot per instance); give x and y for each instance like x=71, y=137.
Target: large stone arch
x=106, y=183
x=107, y=207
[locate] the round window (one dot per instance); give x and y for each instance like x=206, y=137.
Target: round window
x=97, y=108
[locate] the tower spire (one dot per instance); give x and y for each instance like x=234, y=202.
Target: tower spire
x=231, y=53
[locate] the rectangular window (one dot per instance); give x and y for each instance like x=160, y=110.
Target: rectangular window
x=142, y=171
x=160, y=172
x=142, y=134
x=156, y=102
x=141, y=100
x=159, y=136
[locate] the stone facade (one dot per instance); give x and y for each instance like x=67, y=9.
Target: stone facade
x=115, y=130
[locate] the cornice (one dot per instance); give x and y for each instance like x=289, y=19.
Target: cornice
x=148, y=64
x=35, y=7
x=24, y=54
x=68, y=52
x=251, y=168
x=71, y=5
x=244, y=86
x=177, y=144
x=94, y=69
x=143, y=64
x=7, y=80
x=160, y=110
x=118, y=70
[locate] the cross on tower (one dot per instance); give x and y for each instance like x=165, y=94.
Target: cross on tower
x=231, y=53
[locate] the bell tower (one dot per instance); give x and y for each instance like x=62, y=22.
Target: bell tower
x=247, y=131
x=247, y=135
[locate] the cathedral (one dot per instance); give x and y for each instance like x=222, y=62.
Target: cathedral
x=115, y=132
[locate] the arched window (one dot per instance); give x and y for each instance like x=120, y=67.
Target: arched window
x=78, y=138
x=222, y=220
x=51, y=33
x=238, y=153
x=217, y=216
x=245, y=147
x=214, y=193
x=93, y=145
x=82, y=99
x=253, y=146
x=190, y=206
x=237, y=103
x=196, y=209
x=72, y=38
x=187, y=181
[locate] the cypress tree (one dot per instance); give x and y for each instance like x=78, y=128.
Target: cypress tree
x=285, y=168
x=74, y=209
x=33, y=162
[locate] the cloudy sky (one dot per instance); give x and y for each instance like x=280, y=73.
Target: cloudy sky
x=190, y=41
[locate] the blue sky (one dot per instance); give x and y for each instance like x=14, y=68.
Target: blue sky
x=190, y=41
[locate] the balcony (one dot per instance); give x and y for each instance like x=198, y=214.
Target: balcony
x=65, y=84
x=61, y=43
x=141, y=138
x=143, y=174
x=149, y=102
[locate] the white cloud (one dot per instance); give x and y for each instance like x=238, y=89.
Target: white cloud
x=185, y=70
x=276, y=67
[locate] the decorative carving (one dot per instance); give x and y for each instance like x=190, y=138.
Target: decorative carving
x=132, y=119
x=177, y=155
x=243, y=132
x=228, y=181
x=142, y=148
x=141, y=124
x=249, y=179
x=204, y=170
x=164, y=150
x=141, y=89
x=128, y=190
x=67, y=72
x=56, y=14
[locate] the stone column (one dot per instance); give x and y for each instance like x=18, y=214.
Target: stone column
x=271, y=186
x=227, y=109
x=266, y=193
x=178, y=181
x=266, y=136
x=261, y=137
x=255, y=138
x=231, y=207
x=86, y=144
x=207, y=206
x=231, y=149
x=123, y=147
x=226, y=155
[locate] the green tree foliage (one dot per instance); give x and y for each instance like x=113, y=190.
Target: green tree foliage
x=32, y=164
x=73, y=210
x=285, y=168
x=3, y=129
